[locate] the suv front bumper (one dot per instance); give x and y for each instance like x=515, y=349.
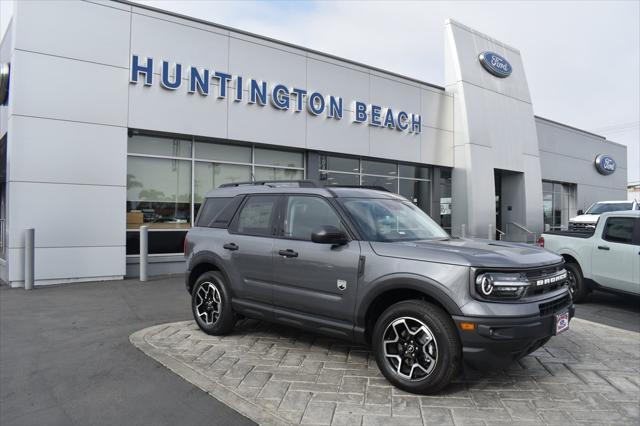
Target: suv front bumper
x=496, y=341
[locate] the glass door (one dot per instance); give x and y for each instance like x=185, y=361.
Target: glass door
x=497, y=178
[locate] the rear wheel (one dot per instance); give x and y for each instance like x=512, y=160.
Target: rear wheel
x=211, y=304
x=577, y=286
x=416, y=346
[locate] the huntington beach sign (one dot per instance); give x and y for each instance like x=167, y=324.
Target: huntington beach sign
x=279, y=96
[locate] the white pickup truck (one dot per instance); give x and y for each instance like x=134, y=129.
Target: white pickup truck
x=588, y=219
x=604, y=258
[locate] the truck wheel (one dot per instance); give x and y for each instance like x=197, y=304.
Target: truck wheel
x=211, y=304
x=416, y=346
x=577, y=286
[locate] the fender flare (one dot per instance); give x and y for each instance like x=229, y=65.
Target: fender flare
x=423, y=284
x=205, y=257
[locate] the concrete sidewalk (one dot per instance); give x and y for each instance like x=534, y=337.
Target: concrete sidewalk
x=66, y=359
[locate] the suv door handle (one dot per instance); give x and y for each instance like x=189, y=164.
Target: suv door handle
x=603, y=248
x=231, y=246
x=288, y=253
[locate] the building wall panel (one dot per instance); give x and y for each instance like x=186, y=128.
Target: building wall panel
x=55, y=151
x=173, y=42
x=68, y=89
x=74, y=29
x=67, y=215
x=67, y=264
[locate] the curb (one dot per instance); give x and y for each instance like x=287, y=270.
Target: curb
x=216, y=390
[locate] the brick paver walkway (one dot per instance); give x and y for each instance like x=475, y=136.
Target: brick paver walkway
x=278, y=375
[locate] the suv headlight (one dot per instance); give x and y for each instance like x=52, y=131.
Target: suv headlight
x=501, y=285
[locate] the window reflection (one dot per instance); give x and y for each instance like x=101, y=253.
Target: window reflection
x=558, y=204
x=411, y=181
x=272, y=173
x=168, y=178
x=158, y=193
x=209, y=176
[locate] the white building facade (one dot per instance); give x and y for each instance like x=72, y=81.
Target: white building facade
x=118, y=115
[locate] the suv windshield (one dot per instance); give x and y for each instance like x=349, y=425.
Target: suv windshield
x=599, y=208
x=392, y=220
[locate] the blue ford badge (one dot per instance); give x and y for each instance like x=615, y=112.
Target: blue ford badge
x=605, y=164
x=495, y=64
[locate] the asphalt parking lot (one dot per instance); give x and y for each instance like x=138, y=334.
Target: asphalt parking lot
x=610, y=309
x=66, y=358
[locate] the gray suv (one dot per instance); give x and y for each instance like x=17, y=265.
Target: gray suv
x=368, y=265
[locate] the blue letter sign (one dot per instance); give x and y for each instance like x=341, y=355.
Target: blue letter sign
x=278, y=95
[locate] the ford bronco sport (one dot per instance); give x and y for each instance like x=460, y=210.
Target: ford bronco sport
x=368, y=265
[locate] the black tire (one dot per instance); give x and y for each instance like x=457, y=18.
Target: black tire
x=220, y=319
x=447, y=347
x=577, y=286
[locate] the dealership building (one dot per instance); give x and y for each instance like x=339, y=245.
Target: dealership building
x=116, y=115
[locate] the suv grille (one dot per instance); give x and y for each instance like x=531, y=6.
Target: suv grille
x=546, y=280
x=555, y=305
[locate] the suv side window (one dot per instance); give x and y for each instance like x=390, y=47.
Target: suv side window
x=256, y=216
x=210, y=210
x=305, y=214
x=618, y=230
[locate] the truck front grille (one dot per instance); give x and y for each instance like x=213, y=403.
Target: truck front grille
x=555, y=305
x=577, y=226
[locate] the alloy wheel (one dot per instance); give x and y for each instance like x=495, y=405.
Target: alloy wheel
x=410, y=348
x=208, y=303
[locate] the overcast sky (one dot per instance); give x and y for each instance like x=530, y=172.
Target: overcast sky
x=582, y=58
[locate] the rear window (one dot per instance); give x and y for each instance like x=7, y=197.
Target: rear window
x=619, y=230
x=218, y=212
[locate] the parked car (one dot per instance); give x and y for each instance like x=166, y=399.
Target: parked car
x=605, y=258
x=370, y=266
x=588, y=219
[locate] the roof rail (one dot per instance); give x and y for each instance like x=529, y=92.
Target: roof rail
x=301, y=183
x=376, y=187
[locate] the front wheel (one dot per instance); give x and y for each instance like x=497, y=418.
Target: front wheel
x=416, y=346
x=577, y=286
x=211, y=304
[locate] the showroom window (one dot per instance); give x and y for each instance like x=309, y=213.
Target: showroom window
x=168, y=178
x=413, y=182
x=445, y=199
x=559, y=204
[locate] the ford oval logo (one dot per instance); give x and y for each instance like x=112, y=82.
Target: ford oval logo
x=605, y=164
x=495, y=64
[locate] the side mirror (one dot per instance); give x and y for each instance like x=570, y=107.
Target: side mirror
x=580, y=212
x=329, y=235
